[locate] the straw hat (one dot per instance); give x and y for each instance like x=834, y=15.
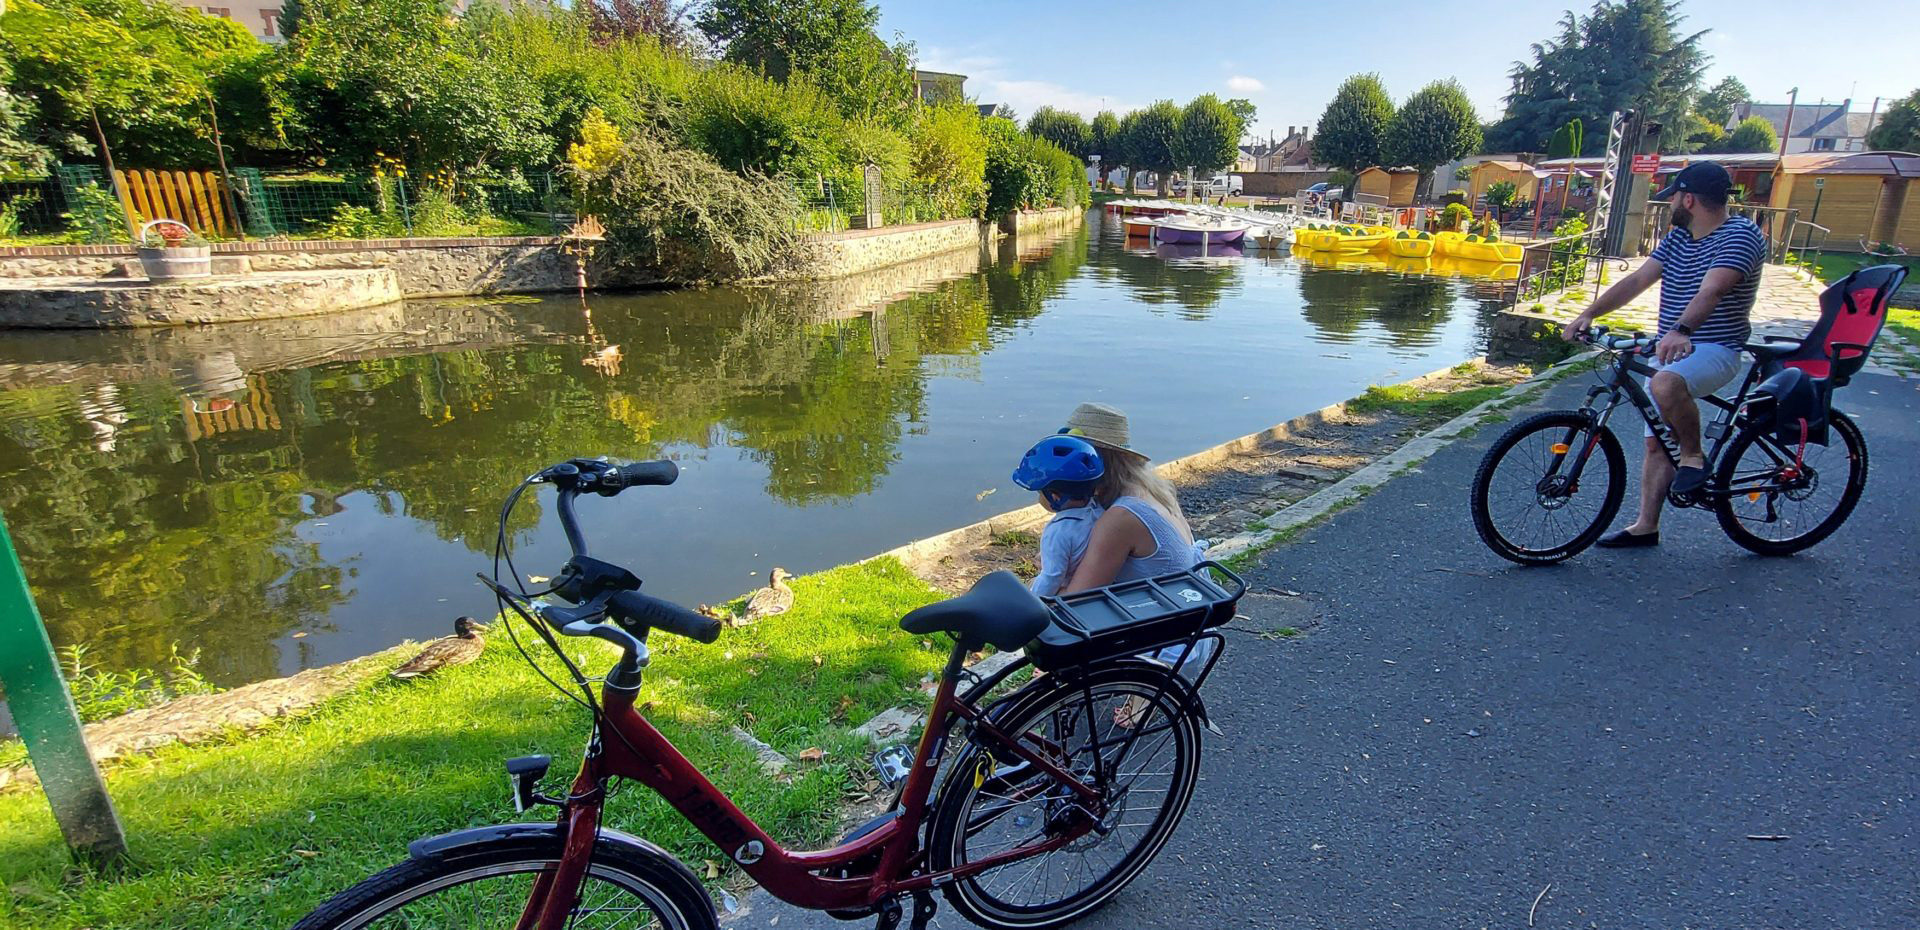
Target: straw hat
x=1102, y=425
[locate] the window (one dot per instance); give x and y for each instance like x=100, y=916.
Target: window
x=272, y=20
x=220, y=11
x=1823, y=145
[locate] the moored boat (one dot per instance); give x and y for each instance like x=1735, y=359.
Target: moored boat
x=1406, y=244
x=1191, y=230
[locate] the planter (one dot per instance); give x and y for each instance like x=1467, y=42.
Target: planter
x=164, y=264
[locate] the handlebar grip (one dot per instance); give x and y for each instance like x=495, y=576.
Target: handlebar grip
x=653, y=612
x=661, y=472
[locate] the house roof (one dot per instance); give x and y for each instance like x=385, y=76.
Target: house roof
x=1810, y=120
x=1859, y=125
x=1505, y=163
x=1885, y=164
x=1403, y=169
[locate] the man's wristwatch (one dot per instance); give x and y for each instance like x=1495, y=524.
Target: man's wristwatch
x=1683, y=329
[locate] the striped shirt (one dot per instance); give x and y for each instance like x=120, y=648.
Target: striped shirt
x=1684, y=263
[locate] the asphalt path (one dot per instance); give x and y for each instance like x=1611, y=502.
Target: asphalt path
x=1448, y=735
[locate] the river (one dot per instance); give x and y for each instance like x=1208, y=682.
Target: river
x=289, y=494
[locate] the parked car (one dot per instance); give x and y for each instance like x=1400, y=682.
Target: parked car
x=1324, y=192
x=1224, y=184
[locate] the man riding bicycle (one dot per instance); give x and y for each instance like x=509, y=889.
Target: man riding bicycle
x=1709, y=271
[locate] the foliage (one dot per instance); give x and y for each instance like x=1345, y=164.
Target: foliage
x=20, y=153
x=1621, y=55
x=1899, y=129
x=661, y=20
x=1435, y=126
x=1704, y=135
x=145, y=66
x=1209, y=135
x=1716, y=104
x=1064, y=129
x=832, y=42
x=95, y=216
x=1566, y=263
x=1455, y=216
x=1754, y=134
x=1351, y=129
x=1486, y=227
x=377, y=79
x=950, y=156
x=1501, y=193
x=1243, y=108
x=750, y=123
x=1154, y=138
x=677, y=215
x=99, y=693
x=1462, y=173
x=1104, y=138
x=1567, y=140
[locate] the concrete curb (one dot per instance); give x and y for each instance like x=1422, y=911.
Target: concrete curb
x=1381, y=470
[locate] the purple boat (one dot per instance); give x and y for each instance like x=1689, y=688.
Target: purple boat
x=1187, y=230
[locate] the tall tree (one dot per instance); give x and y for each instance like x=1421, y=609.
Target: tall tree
x=831, y=41
x=1752, y=135
x=1104, y=138
x=1623, y=54
x=1717, y=103
x=1435, y=126
x=1351, y=128
x=1209, y=138
x=1064, y=129
x=1899, y=129
x=1243, y=108
x=1153, y=142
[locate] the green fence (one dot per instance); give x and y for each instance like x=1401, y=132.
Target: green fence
x=830, y=206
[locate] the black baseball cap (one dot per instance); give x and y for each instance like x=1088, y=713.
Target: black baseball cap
x=1702, y=178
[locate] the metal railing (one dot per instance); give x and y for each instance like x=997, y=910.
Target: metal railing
x=1776, y=223
x=1804, y=231
x=1552, y=265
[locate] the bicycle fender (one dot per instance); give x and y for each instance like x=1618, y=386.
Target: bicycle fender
x=474, y=839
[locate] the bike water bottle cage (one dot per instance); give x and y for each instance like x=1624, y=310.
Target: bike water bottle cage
x=1062, y=468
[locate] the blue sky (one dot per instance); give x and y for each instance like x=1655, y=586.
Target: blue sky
x=1289, y=57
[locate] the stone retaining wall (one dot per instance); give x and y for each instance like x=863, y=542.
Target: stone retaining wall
x=89, y=303
x=1027, y=222
x=858, y=250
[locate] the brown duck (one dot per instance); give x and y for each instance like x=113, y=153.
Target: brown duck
x=772, y=600
x=459, y=649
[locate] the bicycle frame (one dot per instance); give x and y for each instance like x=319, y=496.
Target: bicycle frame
x=640, y=752
x=1620, y=385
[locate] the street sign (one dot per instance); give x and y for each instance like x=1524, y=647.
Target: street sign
x=1646, y=164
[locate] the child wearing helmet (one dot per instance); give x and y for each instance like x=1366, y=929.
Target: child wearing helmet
x=1063, y=470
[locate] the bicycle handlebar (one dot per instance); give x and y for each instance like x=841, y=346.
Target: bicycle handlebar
x=1629, y=341
x=654, y=613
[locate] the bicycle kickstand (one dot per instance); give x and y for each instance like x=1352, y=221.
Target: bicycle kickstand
x=923, y=911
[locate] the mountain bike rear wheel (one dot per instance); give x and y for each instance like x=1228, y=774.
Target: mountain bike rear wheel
x=988, y=805
x=1529, y=506
x=1781, y=499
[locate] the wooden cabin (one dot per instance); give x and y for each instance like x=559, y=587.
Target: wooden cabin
x=1394, y=186
x=1870, y=196
x=1520, y=174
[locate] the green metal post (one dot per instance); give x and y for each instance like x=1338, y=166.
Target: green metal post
x=43, y=710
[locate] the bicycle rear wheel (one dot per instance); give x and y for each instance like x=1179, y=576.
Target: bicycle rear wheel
x=1530, y=506
x=486, y=888
x=1775, y=507
x=988, y=806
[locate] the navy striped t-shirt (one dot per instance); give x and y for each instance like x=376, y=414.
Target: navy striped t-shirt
x=1684, y=263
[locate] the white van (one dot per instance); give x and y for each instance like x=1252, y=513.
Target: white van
x=1224, y=184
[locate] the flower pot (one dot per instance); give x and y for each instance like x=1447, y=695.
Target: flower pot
x=174, y=264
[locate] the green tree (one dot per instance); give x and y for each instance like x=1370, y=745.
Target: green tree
x=1436, y=125
x=1717, y=103
x=1352, y=127
x=1062, y=128
x=1153, y=141
x=1623, y=54
x=950, y=156
x=1899, y=129
x=1704, y=135
x=1243, y=108
x=1104, y=138
x=20, y=153
x=831, y=41
x=1752, y=135
x=1209, y=136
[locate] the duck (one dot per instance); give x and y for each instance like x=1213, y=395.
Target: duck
x=462, y=647
x=772, y=600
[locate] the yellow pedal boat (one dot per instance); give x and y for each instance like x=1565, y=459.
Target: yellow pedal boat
x=1406, y=244
x=1474, y=248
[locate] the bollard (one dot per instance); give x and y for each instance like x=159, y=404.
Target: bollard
x=43, y=710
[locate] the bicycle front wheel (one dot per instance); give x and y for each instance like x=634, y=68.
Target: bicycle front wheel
x=1125, y=730
x=1548, y=487
x=1781, y=499
x=487, y=888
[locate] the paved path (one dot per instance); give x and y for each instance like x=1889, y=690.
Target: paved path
x=1450, y=734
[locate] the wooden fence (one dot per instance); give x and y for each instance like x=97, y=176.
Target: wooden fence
x=195, y=198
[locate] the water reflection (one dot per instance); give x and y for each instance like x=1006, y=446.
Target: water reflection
x=283, y=494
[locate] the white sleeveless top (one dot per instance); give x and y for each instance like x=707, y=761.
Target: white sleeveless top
x=1171, y=553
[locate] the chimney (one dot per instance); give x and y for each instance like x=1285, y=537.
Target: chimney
x=1290, y=130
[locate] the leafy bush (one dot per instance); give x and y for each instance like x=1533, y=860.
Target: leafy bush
x=676, y=215
x=950, y=158
x=352, y=222
x=1501, y=193
x=1024, y=171
x=10, y=213
x=96, y=217
x=750, y=123
x=1455, y=216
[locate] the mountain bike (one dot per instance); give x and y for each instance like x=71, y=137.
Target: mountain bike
x=1026, y=806
x=1552, y=484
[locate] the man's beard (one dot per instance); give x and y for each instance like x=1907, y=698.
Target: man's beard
x=1681, y=218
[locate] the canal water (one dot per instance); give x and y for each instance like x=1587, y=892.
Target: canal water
x=287, y=494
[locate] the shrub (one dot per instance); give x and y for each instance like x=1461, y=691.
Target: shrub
x=96, y=217
x=750, y=123
x=1455, y=216
x=99, y=694
x=950, y=157
x=1501, y=193
x=351, y=222
x=676, y=215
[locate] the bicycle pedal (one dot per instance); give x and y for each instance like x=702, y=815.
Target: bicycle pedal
x=892, y=765
x=923, y=911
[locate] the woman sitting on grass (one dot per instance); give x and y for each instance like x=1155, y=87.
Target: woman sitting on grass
x=1141, y=533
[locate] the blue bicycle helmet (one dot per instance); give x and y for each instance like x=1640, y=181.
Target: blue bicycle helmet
x=1061, y=468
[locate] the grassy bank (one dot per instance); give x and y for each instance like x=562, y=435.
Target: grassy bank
x=1832, y=266
x=256, y=831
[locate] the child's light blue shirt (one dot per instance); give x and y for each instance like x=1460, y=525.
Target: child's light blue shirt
x=1062, y=544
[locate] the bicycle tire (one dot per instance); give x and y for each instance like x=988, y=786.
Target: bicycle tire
x=668, y=889
x=1726, y=505
x=1482, y=504
x=1100, y=691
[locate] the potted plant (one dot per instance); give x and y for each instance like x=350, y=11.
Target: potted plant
x=171, y=251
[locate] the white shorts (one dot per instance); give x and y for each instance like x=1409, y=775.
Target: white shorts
x=1708, y=369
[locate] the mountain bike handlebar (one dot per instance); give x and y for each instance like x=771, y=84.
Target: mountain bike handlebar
x=1624, y=342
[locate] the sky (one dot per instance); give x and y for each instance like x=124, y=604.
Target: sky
x=1288, y=58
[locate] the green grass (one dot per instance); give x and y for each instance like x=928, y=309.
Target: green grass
x=1423, y=404
x=1014, y=538
x=256, y=831
x=1832, y=266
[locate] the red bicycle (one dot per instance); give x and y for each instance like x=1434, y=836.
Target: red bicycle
x=1027, y=806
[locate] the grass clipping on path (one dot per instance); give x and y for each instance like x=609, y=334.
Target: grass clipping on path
x=258, y=831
